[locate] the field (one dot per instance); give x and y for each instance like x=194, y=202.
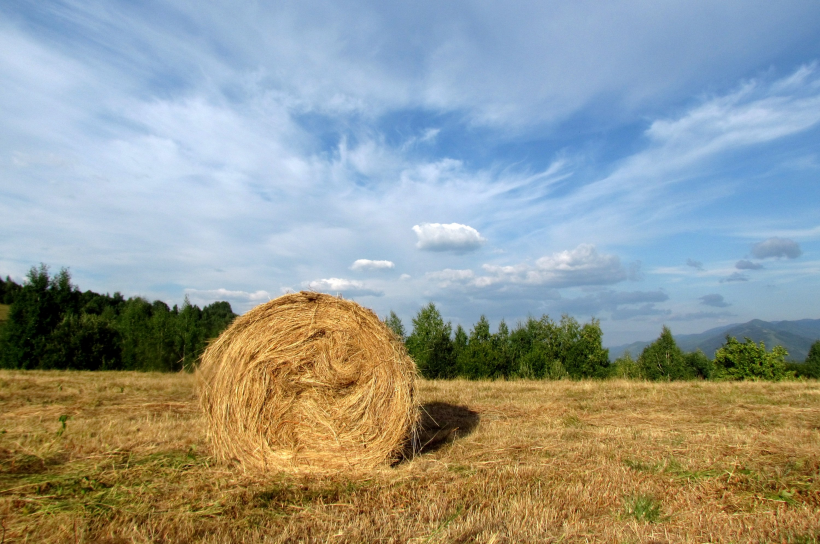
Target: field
x=123, y=457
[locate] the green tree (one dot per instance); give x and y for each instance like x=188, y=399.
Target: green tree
x=38, y=308
x=748, y=361
x=460, y=341
x=502, y=345
x=625, y=367
x=8, y=290
x=480, y=359
x=190, y=338
x=394, y=323
x=535, y=347
x=699, y=364
x=664, y=360
x=430, y=345
x=83, y=342
x=812, y=364
x=584, y=355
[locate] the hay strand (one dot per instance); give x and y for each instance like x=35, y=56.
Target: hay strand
x=308, y=382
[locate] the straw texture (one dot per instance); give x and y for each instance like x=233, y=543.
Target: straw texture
x=308, y=382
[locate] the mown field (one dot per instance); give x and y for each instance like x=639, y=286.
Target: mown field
x=123, y=457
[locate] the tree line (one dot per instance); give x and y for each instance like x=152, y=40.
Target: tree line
x=53, y=325
x=546, y=349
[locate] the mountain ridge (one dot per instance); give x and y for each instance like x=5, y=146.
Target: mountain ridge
x=796, y=336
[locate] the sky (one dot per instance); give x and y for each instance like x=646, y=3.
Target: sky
x=640, y=163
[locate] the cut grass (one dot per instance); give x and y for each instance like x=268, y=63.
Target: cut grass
x=123, y=457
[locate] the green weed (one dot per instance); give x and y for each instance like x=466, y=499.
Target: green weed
x=642, y=508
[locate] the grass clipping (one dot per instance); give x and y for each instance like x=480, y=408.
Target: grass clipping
x=308, y=382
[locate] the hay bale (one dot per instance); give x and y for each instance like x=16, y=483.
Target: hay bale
x=308, y=382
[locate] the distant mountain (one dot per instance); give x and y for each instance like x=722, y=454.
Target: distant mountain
x=796, y=336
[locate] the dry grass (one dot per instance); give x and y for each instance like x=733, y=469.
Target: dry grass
x=529, y=461
x=308, y=382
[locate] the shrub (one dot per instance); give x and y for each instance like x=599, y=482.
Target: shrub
x=748, y=361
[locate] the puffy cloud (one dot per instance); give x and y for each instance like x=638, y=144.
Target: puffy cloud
x=340, y=285
x=714, y=300
x=776, y=247
x=367, y=264
x=694, y=264
x=735, y=276
x=580, y=266
x=448, y=237
x=747, y=265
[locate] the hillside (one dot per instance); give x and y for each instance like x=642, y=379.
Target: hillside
x=796, y=336
x=4, y=313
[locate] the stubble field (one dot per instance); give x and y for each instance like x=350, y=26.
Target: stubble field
x=124, y=457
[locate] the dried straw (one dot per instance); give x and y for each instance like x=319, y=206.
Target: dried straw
x=308, y=382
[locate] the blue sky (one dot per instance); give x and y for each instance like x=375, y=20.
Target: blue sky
x=642, y=163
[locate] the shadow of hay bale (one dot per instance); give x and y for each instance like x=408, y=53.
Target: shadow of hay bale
x=442, y=423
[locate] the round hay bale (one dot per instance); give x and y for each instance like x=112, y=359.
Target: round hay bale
x=308, y=382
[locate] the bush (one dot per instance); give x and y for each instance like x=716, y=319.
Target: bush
x=625, y=367
x=664, y=360
x=748, y=361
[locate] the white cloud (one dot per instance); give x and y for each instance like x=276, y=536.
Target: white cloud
x=449, y=276
x=347, y=287
x=447, y=237
x=642, y=196
x=777, y=247
x=367, y=264
x=571, y=268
